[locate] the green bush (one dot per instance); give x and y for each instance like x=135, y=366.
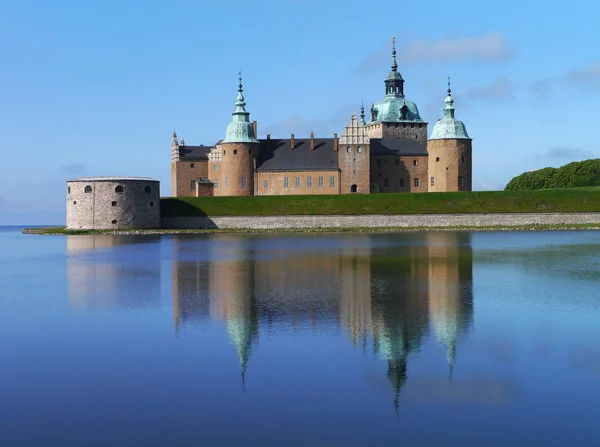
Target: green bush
x=572, y=175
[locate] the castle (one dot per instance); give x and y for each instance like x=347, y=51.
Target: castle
x=388, y=153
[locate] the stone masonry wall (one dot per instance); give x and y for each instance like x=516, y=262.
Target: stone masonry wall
x=448, y=160
x=104, y=208
x=377, y=221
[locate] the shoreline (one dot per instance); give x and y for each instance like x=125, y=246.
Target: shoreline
x=61, y=231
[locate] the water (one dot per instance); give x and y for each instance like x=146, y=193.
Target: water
x=300, y=340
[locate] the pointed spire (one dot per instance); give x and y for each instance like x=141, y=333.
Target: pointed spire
x=240, y=129
x=449, y=89
x=394, y=63
x=449, y=109
x=362, y=112
x=174, y=139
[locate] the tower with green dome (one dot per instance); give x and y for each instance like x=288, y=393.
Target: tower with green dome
x=450, y=163
x=239, y=152
x=395, y=116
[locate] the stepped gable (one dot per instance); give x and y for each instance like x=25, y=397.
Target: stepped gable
x=397, y=146
x=278, y=155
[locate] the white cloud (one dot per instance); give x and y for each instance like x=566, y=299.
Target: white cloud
x=500, y=91
x=489, y=47
x=568, y=153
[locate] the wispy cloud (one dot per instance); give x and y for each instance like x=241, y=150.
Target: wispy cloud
x=72, y=169
x=500, y=91
x=302, y=127
x=568, y=153
x=489, y=47
x=587, y=78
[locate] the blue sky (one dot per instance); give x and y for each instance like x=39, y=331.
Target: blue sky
x=96, y=87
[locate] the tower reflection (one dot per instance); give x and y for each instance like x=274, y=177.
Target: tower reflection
x=381, y=289
x=126, y=276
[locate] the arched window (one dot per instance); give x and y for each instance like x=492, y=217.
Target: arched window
x=348, y=149
x=354, y=188
x=88, y=189
x=119, y=189
x=147, y=190
x=359, y=149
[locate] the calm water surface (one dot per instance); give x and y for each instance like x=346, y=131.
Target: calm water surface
x=300, y=340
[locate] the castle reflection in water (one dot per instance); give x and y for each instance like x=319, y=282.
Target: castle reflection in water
x=383, y=290
x=386, y=291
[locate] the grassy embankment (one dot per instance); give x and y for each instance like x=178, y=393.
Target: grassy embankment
x=540, y=201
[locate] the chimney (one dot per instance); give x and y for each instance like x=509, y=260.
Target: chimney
x=335, y=142
x=312, y=141
x=292, y=143
x=254, y=129
x=268, y=140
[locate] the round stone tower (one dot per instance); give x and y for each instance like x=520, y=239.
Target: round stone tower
x=113, y=203
x=450, y=153
x=239, y=151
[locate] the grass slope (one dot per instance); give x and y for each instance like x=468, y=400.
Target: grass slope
x=540, y=201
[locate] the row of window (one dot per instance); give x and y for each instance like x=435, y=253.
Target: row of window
x=309, y=182
x=412, y=125
x=119, y=189
x=113, y=203
x=416, y=182
x=358, y=149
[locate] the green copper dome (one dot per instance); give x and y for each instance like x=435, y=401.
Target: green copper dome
x=394, y=107
x=240, y=129
x=449, y=127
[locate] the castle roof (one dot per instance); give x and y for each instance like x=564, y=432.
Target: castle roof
x=195, y=152
x=277, y=155
x=240, y=128
x=397, y=146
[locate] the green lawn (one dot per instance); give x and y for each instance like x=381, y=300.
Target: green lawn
x=540, y=201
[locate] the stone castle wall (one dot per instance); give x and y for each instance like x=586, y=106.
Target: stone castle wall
x=450, y=165
x=379, y=221
x=276, y=181
x=393, y=173
x=99, y=203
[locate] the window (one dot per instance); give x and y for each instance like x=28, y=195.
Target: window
x=460, y=181
x=447, y=169
x=321, y=182
x=250, y=151
x=74, y=202
x=192, y=184
x=192, y=165
x=437, y=159
x=348, y=149
x=151, y=204
x=416, y=182
x=386, y=182
x=224, y=151
x=266, y=184
x=432, y=181
x=354, y=188
x=113, y=203
x=297, y=182
x=415, y=163
x=462, y=159
x=119, y=189
x=235, y=152
x=215, y=167
x=226, y=182
x=332, y=181
x=88, y=189
x=402, y=182
x=147, y=190
x=359, y=149
x=216, y=183
x=244, y=182
x=309, y=182
x=68, y=190
x=114, y=222
x=286, y=182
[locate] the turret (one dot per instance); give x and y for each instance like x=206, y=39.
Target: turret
x=240, y=150
x=450, y=152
